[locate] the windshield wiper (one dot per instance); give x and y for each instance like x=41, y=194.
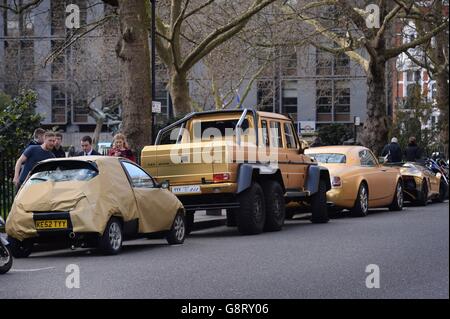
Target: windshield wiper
x=39, y=179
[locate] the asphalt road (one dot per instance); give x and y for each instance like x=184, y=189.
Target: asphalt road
x=411, y=249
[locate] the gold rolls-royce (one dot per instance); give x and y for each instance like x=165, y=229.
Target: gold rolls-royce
x=358, y=180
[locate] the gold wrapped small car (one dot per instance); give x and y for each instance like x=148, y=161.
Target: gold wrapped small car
x=358, y=180
x=91, y=201
x=421, y=184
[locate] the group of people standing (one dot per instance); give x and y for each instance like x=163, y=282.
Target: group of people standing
x=47, y=144
x=393, y=152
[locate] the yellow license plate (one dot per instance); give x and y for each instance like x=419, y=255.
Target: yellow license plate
x=51, y=224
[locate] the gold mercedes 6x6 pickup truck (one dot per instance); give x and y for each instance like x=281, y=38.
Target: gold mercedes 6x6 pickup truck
x=248, y=162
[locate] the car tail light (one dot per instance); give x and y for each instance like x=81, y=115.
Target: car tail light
x=222, y=177
x=336, y=181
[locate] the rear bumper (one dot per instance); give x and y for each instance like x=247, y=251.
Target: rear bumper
x=338, y=197
x=209, y=201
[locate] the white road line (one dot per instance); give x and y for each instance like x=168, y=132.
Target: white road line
x=31, y=270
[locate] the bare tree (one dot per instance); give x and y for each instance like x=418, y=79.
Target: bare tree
x=345, y=24
x=188, y=32
x=432, y=55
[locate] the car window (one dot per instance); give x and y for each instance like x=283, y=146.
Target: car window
x=139, y=178
x=219, y=128
x=62, y=171
x=330, y=158
x=275, y=134
x=62, y=175
x=289, y=136
x=366, y=158
x=265, y=133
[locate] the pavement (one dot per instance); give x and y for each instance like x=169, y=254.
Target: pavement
x=409, y=250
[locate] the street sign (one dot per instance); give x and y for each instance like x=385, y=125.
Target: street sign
x=156, y=107
x=307, y=127
x=357, y=120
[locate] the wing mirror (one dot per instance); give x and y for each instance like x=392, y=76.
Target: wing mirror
x=381, y=160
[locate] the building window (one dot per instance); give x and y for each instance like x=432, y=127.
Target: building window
x=265, y=95
x=57, y=16
x=341, y=101
x=324, y=63
x=332, y=101
x=59, y=104
x=324, y=101
x=289, y=99
x=289, y=62
x=58, y=66
x=80, y=111
x=342, y=64
x=329, y=64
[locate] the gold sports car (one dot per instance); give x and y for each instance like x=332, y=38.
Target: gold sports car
x=421, y=184
x=358, y=180
x=91, y=201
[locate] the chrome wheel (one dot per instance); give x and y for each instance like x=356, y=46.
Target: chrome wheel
x=5, y=257
x=115, y=236
x=179, y=228
x=364, y=200
x=399, y=195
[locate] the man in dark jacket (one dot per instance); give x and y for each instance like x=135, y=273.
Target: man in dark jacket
x=412, y=153
x=392, y=151
x=58, y=150
x=38, y=137
x=86, y=146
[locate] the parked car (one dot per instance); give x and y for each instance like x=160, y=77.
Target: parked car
x=421, y=184
x=91, y=201
x=223, y=165
x=358, y=180
x=6, y=260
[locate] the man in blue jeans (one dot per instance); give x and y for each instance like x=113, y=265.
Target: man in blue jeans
x=31, y=156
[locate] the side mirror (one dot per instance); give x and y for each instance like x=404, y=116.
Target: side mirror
x=165, y=185
x=381, y=160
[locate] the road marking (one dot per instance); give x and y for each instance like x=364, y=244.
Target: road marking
x=31, y=270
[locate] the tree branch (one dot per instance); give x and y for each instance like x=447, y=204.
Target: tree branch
x=222, y=34
x=392, y=53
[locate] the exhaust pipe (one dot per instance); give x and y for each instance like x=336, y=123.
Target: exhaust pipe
x=72, y=235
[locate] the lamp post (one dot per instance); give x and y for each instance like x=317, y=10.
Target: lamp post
x=153, y=56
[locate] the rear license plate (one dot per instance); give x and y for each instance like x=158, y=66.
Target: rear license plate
x=186, y=189
x=51, y=224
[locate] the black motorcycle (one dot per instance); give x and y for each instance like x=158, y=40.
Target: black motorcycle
x=6, y=259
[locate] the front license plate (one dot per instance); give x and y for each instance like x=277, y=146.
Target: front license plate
x=192, y=189
x=51, y=224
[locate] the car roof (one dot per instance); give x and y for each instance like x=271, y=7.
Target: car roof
x=341, y=149
x=91, y=158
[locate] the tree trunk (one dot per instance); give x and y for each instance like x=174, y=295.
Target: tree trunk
x=375, y=134
x=179, y=91
x=442, y=101
x=133, y=51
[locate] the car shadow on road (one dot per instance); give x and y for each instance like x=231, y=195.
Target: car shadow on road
x=128, y=247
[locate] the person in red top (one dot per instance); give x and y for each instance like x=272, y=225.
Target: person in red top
x=120, y=148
